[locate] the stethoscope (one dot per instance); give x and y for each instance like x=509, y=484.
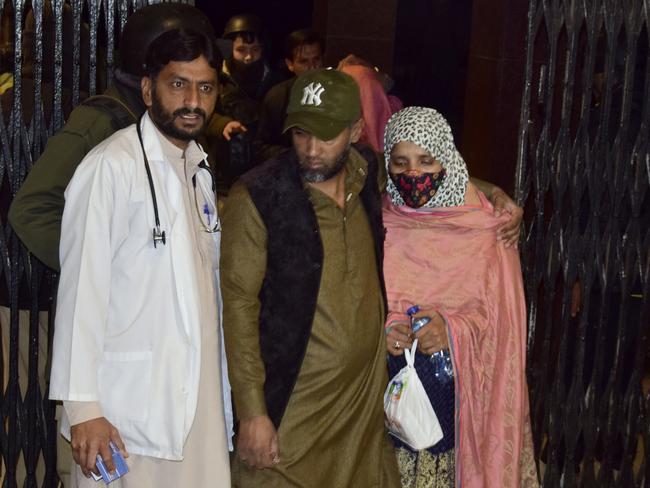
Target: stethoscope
x=159, y=235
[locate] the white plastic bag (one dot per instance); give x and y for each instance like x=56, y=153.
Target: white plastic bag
x=409, y=414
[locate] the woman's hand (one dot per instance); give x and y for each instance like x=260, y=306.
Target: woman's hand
x=433, y=336
x=398, y=336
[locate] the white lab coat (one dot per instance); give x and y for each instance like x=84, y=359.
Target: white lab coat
x=127, y=331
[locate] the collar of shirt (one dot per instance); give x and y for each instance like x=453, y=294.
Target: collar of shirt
x=356, y=172
x=159, y=148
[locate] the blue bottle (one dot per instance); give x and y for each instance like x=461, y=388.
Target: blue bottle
x=441, y=360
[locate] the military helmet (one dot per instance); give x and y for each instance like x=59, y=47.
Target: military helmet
x=146, y=24
x=243, y=23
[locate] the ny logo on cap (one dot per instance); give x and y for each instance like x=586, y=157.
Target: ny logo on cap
x=311, y=94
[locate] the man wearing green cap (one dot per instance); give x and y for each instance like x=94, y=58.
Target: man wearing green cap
x=303, y=303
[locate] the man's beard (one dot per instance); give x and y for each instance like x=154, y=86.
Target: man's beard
x=165, y=120
x=324, y=174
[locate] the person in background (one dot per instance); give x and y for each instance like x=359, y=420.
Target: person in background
x=246, y=79
x=304, y=51
x=375, y=105
x=386, y=81
x=442, y=255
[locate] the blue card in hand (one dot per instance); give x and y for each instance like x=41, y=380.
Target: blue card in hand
x=118, y=461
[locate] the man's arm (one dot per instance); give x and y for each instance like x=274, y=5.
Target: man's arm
x=36, y=210
x=243, y=266
x=216, y=126
x=508, y=232
x=485, y=186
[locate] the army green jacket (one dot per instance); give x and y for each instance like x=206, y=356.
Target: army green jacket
x=36, y=211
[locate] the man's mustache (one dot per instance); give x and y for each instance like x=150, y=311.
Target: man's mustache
x=312, y=161
x=186, y=111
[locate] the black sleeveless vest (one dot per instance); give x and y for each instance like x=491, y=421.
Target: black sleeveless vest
x=294, y=259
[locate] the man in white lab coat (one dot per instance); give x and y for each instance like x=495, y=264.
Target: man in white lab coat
x=136, y=355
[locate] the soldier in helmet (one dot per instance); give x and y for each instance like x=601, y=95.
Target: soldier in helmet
x=247, y=78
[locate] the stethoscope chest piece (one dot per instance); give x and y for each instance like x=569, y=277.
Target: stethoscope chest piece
x=159, y=237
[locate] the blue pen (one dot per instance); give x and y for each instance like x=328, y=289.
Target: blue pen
x=206, y=211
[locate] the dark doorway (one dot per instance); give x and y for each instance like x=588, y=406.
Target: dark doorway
x=432, y=41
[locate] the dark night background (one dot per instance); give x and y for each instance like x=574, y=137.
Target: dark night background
x=463, y=57
x=430, y=48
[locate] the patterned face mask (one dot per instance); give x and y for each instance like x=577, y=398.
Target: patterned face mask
x=417, y=189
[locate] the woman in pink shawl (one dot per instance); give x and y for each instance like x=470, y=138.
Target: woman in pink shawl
x=442, y=254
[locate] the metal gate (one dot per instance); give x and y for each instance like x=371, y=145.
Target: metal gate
x=28, y=433
x=583, y=175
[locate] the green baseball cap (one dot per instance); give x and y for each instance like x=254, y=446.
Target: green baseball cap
x=323, y=102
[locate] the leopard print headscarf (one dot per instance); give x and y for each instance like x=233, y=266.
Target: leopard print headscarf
x=429, y=130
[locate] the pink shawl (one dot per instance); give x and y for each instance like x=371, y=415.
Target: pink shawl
x=449, y=259
x=376, y=107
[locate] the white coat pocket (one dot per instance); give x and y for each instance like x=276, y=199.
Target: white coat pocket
x=124, y=381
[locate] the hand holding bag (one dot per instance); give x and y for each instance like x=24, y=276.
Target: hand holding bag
x=409, y=414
